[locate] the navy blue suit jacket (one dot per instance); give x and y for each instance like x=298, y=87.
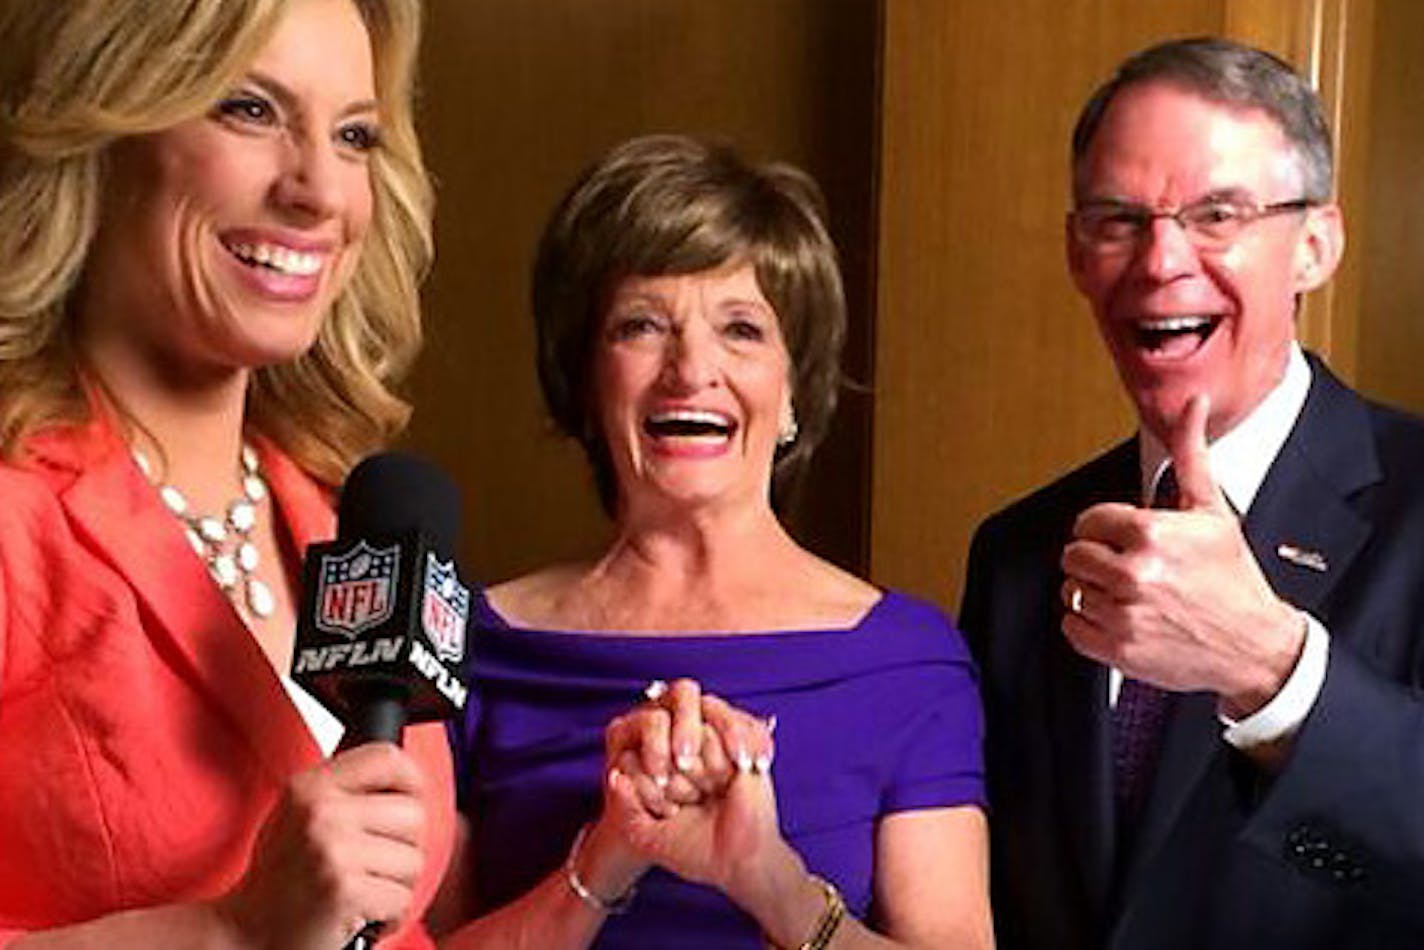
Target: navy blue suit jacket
x=1329, y=853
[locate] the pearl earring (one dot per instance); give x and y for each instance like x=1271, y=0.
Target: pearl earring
x=789, y=429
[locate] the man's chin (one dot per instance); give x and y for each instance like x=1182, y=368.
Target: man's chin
x=1158, y=411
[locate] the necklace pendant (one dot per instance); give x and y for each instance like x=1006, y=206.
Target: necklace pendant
x=173, y=500
x=223, y=541
x=259, y=598
x=242, y=516
x=247, y=557
x=224, y=570
x=254, y=487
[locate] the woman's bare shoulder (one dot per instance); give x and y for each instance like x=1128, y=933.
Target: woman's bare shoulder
x=842, y=585
x=535, y=599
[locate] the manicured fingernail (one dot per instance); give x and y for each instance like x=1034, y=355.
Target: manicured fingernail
x=613, y=776
x=661, y=781
x=744, y=761
x=655, y=690
x=771, y=723
x=686, y=762
x=762, y=765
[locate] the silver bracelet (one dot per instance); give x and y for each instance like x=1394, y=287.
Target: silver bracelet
x=618, y=905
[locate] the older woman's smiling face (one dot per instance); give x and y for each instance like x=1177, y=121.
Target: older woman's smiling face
x=692, y=386
x=225, y=239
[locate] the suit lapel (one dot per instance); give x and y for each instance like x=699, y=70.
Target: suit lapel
x=304, y=506
x=1301, y=527
x=1078, y=713
x=1328, y=456
x=185, y=614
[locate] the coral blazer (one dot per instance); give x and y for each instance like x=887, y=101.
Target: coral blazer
x=143, y=734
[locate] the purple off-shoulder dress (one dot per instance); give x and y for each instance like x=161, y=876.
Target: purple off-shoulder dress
x=880, y=718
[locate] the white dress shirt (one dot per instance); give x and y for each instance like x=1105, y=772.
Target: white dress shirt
x=325, y=728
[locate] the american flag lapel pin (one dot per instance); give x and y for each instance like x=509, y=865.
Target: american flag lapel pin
x=1303, y=557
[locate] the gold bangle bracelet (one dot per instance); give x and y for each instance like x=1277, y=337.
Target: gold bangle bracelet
x=831, y=917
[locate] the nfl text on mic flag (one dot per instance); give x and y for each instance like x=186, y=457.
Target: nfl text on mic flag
x=381, y=634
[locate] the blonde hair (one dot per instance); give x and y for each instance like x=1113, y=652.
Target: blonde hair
x=77, y=75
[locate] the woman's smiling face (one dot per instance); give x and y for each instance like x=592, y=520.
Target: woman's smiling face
x=224, y=240
x=692, y=386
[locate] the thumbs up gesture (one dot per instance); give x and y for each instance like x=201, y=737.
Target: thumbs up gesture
x=1188, y=449
x=1175, y=597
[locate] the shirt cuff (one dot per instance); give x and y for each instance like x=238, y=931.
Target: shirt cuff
x=1283, y=716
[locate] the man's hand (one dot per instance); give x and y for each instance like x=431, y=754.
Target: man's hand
x=1175, y=598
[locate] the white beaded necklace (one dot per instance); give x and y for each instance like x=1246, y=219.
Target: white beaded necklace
x=225, y=543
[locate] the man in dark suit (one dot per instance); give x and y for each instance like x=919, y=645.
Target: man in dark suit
x=1202, y=652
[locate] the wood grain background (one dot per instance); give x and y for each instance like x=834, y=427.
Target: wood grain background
x=938, y=129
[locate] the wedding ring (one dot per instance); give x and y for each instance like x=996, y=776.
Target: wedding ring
x=1075, y=599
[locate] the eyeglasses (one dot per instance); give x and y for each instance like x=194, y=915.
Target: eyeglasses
x=1211, y=224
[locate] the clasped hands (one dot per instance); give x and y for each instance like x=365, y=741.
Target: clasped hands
x=688, y=789
x=1176, y=598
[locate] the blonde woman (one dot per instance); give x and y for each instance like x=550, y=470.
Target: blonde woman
x=213, y=218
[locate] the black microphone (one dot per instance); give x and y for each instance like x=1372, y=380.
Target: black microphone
x=381, y=634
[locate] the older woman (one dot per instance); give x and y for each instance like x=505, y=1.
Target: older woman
x=213, y=217
x=690, y=318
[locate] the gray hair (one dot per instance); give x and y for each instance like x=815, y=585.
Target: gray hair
x=1230, y=73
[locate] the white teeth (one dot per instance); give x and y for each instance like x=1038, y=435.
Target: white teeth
x=284, y=260
x=703, y=416
x=1174, y=324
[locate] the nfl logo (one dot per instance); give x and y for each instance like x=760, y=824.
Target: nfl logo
x=444, y=609
x=356, y=589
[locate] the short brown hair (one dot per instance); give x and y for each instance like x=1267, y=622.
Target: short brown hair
x=670, y=204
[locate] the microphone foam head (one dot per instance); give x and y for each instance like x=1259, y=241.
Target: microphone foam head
x=393, y=492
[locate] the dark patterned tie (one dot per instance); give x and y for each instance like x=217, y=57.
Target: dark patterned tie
x=1138, y=717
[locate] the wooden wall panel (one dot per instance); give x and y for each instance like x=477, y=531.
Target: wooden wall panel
x=1388, y=244
x=988, y=376
x=990, y=379
x=1331, y=319
x=518, y=96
